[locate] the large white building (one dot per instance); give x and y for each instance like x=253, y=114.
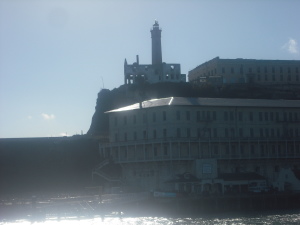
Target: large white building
x=205, y=144
x=239, y=71
x=156, y=72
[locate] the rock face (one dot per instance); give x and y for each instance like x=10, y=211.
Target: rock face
x=130, y=94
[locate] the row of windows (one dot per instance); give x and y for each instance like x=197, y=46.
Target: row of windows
x=272, y=77
x=241, y=70
x=232, y=149
x=215, y=133
x=212, y=115
x=258, y=69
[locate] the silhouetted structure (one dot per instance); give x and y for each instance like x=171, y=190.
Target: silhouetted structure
x=156, y=72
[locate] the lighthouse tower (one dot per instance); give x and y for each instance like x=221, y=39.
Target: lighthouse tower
x=156, y=44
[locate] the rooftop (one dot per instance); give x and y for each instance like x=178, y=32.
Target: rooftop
x=220, y=102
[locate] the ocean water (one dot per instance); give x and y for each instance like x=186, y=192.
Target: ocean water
x=253, y=218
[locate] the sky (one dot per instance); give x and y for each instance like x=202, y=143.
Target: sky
x=56, y=55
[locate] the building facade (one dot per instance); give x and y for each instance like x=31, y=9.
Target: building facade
x=203, y=144
x=158, y=71
x=239, y=71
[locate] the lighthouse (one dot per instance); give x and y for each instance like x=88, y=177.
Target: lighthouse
x=156, y=44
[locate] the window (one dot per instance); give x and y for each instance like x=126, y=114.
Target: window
x=232, y=133
x=241, y=70
x=267, y=132
x=144, y=118
x=285, y=116
x=116, y=137
x=164, y=116
x=209, y=132
x=226, y=116
x=289, y=77
x=251, y=132
x=252, y=149
x=198, y=132
x=251, y=116
x=273, y=70
x=125, y=120
x=281, y=77
x=266, y=77
x=116, y=121
x=125, y=136
x=226, y=132
x=273, y=77
x=277, y=116
x=165, y=150
x=154, y=117
x=134, y=119
x=154, y=134
x=260, y=116
x=216, y=150
x=250, y=70
x=227, y=150
x=232, y=70
x=231, y=116
x=266, y=70
x=272, y=132
x=266, y=116
x=240, y=116
x=178, y=132
x=214, y=115
x=203, y=115
x=145, y=134
x=188, y=132
x=290, y=116
x=258, y=77
x=281, y=70
x=278, y=132
x=223, y=70
x=240, y=132
x=258, y=69
x=271, y=116
x=215, y=132
x=165, y=133
x=295, y=116
x=208, y=115
x=198, y=116
x=187, y=115
x=261, y=132
x=134, y=135
x=178, y=115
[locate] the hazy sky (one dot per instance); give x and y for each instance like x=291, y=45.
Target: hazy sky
x=55, y=56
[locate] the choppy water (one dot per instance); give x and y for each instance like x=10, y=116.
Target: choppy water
x=271, y=218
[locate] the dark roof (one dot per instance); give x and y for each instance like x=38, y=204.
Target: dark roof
x=229, y=102
x=240, y=176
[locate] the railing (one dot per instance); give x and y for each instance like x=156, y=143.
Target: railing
x=102, y=164
x=190, y=149
x=199, y=140
x=107, y=177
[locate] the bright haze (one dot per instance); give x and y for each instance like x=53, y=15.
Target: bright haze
x=55, y=56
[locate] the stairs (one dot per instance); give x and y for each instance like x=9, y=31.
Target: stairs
x=97, y=171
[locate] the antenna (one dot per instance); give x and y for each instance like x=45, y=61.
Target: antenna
x=102, y=82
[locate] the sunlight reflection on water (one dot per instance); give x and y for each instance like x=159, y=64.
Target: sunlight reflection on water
x=264, y=220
